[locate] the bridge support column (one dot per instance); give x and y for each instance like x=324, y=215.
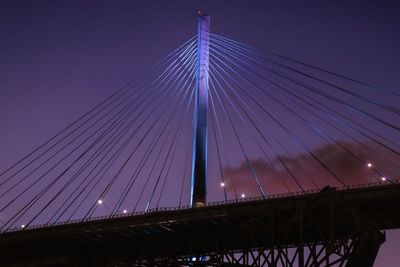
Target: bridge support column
x=200, y=140
x=366, y=248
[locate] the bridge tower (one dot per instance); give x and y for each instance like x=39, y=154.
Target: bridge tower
x=200, y=139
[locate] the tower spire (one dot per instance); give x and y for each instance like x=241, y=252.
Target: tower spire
x=200, y=140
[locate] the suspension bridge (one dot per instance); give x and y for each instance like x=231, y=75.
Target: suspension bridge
x=221, y=155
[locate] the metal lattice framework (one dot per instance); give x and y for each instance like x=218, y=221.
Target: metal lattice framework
x=331, y=228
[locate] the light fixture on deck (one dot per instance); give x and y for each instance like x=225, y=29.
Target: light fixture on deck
x=243, y=195
x=22, y=225
x=383, y=178
x=369, y=165
x=99, y=201
x=125, y=211
x=222, y=184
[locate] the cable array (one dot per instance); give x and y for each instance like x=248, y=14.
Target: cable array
x=108, y=160
x=289, y=112
x=276, y=125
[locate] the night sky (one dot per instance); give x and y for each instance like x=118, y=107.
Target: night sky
x=59, y=58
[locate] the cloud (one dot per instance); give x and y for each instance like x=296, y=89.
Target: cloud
x=330, y=164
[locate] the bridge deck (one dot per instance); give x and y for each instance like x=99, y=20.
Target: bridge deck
x=317, y=217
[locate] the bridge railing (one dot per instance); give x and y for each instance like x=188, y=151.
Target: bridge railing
x=187, y=207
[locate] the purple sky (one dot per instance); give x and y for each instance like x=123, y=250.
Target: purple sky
x=59, y=58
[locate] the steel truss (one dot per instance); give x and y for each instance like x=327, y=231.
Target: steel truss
x=336, y=253
x=330, y=228
x=313, y=235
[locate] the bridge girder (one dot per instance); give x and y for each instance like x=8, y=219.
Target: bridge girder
x=339, y=225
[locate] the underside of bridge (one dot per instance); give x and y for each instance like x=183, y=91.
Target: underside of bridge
x=328, y=228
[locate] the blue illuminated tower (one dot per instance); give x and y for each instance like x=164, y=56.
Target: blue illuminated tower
x=200, y=140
